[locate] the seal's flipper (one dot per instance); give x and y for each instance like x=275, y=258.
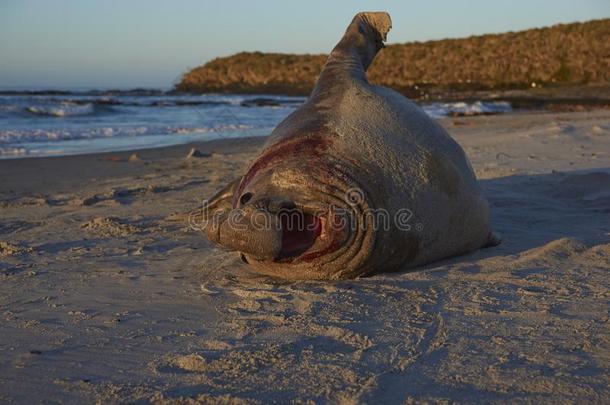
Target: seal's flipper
x=355, y=52
x=379, y=21
x=362, y=40
x=223, y=199
x=214, y=211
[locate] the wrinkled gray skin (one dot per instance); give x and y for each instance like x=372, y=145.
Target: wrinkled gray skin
x=350, y=135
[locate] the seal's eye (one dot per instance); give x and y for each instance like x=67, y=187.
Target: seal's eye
x=245, y=197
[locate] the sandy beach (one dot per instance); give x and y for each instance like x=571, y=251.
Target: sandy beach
x=107, y=295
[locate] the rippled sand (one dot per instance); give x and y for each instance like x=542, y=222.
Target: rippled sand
x=106, y=294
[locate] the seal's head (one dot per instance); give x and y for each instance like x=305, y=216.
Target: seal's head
x=297, y=213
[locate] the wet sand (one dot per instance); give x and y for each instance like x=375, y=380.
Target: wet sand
x=107, y=295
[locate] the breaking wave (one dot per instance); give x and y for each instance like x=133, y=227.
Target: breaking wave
x=61, y=110
x=440, y=110
x=57, y=123
x=41, y=135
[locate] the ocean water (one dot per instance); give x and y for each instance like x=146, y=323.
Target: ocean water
x=64, y=123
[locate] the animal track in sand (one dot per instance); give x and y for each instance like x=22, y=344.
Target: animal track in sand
x=8, y=249
x=110, y=226
x=23, y=201
x=190, y=362
x=356, y=340
x=9, y=227
x=123, y=195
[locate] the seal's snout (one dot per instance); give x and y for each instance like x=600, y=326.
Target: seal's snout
x=255, y=233
x=277, y=230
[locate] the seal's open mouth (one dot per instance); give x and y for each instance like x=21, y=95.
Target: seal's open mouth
x=306, y=236
x=300, y=231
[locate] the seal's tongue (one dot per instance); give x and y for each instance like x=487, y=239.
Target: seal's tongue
x=299, y=233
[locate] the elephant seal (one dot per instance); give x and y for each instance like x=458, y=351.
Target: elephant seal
x=358, y=180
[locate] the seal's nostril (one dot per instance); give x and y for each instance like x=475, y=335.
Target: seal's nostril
x=243, y=258
x=245, y=197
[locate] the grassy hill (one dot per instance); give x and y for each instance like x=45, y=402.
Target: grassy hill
x=565, y=54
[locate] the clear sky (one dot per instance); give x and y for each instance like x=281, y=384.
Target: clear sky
x=150, y=43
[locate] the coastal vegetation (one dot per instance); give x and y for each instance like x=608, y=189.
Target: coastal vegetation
x=565, y=54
